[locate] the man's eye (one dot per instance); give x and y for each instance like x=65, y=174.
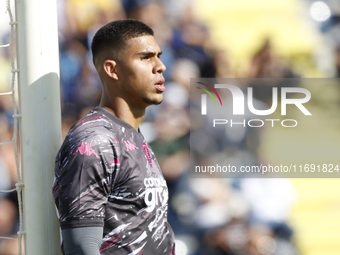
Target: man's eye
x=145, y=57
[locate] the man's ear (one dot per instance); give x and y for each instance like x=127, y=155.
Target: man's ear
x=109, y=67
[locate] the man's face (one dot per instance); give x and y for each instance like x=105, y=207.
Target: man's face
x=140, y=72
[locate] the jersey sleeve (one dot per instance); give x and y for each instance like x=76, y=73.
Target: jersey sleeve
x=84, y=172
x=82, y=241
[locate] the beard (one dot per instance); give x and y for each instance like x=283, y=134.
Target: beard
x=151, y=101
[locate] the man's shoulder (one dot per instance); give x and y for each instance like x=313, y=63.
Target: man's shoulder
x=94, y=128
x=94, y=119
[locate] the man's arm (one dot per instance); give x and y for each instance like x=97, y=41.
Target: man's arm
x=81, y=188
x=82, y=241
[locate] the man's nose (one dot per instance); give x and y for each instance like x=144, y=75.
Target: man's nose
x=160, y=67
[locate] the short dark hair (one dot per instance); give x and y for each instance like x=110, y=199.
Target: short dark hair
x=113, y=35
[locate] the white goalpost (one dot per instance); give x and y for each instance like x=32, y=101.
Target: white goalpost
x=40, y=125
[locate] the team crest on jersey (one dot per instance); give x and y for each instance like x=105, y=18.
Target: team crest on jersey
x=147, y=153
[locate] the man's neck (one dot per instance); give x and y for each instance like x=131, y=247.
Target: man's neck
x=131, y=116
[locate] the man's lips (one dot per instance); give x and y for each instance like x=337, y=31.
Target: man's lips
x=159, y=85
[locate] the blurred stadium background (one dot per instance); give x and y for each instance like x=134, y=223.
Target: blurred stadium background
x=201, y=38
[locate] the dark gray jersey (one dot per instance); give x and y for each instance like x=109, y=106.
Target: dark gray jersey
x=106, y=175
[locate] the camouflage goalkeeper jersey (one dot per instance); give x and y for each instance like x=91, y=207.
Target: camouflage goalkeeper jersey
x=106, y=175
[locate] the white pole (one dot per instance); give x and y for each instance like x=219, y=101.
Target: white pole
x=40, y=129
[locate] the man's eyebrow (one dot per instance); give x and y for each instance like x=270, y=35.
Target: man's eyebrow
x=152, y=53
